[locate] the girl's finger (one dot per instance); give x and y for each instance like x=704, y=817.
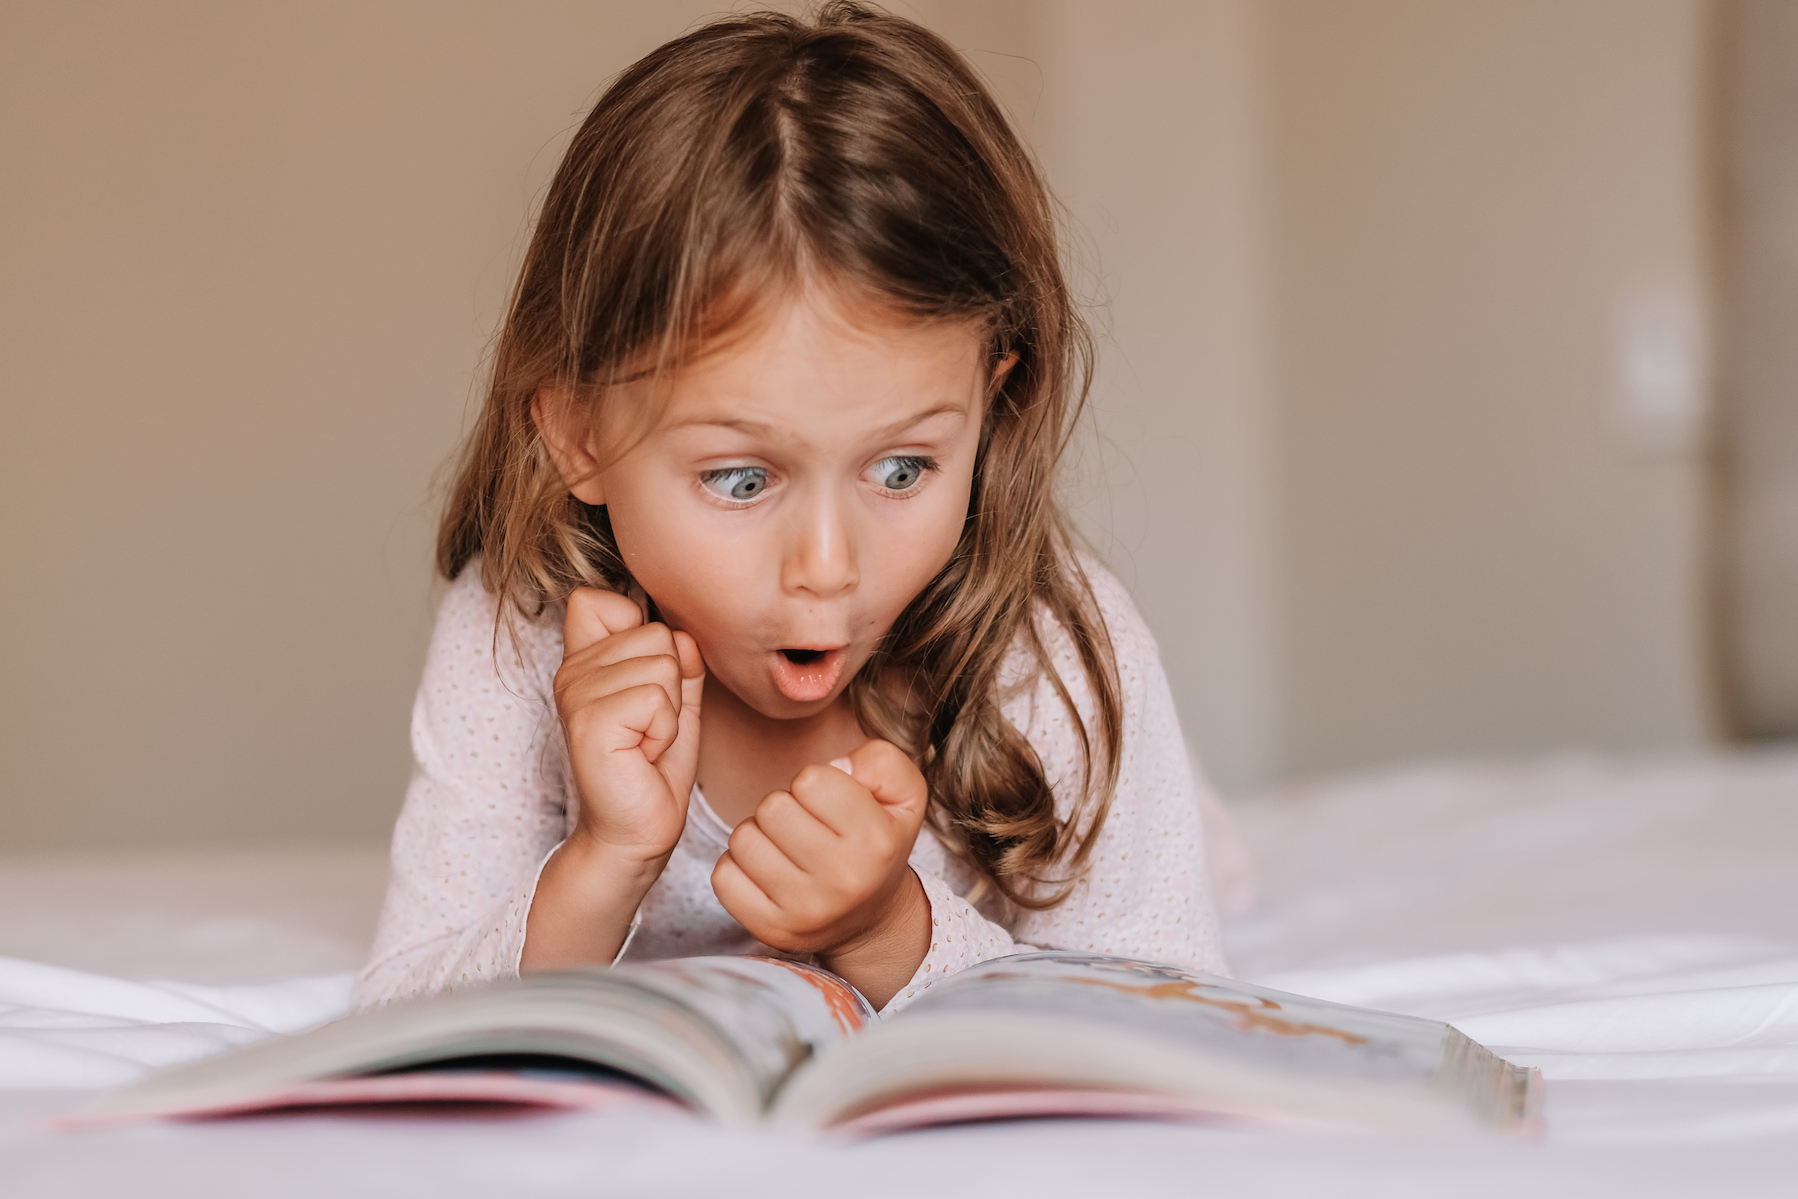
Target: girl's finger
x=594, y=615
x=692, y=671
x=807, y=842
x=739, y=895
x=891, y=778
x=575, y=689
x=764, y=863
x=635, y=642
x=837, y=801
x=637, y=718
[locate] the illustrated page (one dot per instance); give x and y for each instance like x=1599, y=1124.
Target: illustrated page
x=1218, y=1015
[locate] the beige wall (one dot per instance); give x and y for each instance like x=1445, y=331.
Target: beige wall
x=1355, y=256
x=1360, y=266
x=253, y=254
x=1472, y=557
x=1147, y=117
x=1761, y=364
x=1154, y=136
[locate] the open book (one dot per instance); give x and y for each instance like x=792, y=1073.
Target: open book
x=747, y=1040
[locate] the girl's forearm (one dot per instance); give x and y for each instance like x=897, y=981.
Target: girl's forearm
x=881, y=960
x=583, y=906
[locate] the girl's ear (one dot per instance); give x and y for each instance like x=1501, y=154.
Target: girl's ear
x=568, y=436
x=1001, y=369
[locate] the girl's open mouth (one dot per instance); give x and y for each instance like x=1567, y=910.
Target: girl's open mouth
x=806, y=675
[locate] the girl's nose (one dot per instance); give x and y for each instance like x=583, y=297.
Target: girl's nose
x=820, y=558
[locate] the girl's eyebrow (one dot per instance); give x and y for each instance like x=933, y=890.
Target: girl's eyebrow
x=898, y=427
x=755, y=428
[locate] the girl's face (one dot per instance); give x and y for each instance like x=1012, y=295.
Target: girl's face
x=801, y=487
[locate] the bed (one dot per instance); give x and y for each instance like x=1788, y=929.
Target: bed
x=1628, y=925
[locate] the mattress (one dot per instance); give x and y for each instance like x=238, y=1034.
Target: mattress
x=1630, y=926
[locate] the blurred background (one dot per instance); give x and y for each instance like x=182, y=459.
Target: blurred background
x=1448, y=404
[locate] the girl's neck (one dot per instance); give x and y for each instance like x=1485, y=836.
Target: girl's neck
x=744, y=755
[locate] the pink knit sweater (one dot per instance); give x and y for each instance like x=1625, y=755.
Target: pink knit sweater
x=491, y=798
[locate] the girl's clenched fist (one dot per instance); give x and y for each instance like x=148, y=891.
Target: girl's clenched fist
x=627, y=696
x=823, y=868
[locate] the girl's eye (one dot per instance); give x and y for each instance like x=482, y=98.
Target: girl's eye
x=900, y=473
x=735, y=482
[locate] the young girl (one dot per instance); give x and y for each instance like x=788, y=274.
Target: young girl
x=765, y=631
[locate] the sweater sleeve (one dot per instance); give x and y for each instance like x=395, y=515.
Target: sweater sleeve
x=1144, y=891
x=485, y=807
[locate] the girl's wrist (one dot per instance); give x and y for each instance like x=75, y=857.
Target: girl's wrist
x=585, y=900
x=610, y=860
x=612, y=870
x=882, y=958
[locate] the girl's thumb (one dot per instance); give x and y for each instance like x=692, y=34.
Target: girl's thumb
x=889, y=776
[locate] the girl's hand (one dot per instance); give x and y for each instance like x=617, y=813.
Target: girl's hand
x=823, y=868
x=628, y=698
x=627, y=695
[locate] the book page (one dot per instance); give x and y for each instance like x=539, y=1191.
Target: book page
x=720, y=1035
x=1217, y=1015
x=1062, y=1032
x=774, y=1014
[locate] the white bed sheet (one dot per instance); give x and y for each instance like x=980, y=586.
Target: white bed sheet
x=1629, y=927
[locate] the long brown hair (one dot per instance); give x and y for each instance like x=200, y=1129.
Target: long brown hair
x=856, y=148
